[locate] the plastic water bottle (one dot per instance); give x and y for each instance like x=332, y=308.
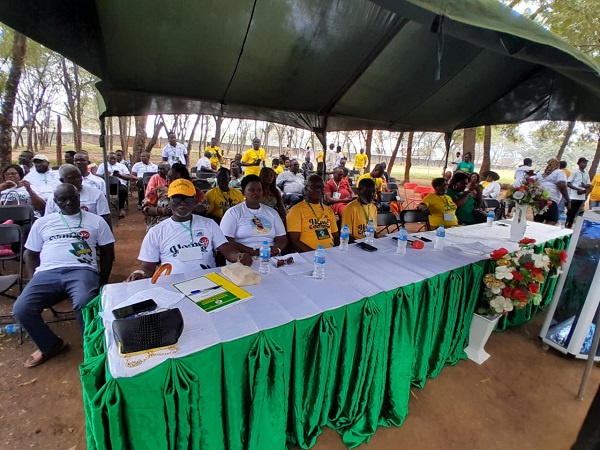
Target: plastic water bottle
x=490, y=218
x=319, y=266
x=440, y=234
x=264, y=254
x=562, y=220
x=344, y=238
x=402, y=241
x=370, y=232
x=9, y=329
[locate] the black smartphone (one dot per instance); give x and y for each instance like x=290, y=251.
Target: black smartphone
x=136, y=308
x=366, y=247
x=424, y=239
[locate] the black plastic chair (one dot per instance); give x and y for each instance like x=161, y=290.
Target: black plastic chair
x=193, y=169
x=496, y=206
x=387, y=220
x=20, y=214
x=392, y=187
x=203, y=185
x=12, y=234
x=387, y=197
x=414, y=216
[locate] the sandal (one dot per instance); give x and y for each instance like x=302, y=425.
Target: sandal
x=37, y=357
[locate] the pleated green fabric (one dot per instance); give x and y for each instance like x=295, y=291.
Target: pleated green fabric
x=351, y=369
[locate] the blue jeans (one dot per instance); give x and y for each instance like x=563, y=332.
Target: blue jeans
x=594, y=204
x=292, y=199
x=47, y=288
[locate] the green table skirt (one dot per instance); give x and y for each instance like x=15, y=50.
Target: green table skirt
x=351, y=369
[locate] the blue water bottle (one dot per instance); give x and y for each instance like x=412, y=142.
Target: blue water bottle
x=344, y=238
x=402, y=241
x=264, y=255
x=440, y=234
x=319, y=265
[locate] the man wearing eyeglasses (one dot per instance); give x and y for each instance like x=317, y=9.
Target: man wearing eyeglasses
x=185, y=240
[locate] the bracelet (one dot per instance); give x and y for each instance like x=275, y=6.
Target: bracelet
x=239, y=256
x=278, y=250
x=141, y=272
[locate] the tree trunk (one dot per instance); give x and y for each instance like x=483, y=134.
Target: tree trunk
x=408, y=163
x=10, y=95
x=469, y=139
x=487, y=148
x=59, y=157
x=218, y=124
x=159, y=123
x=566, y=139
x=124, y=124
x=140, y=138
x=368, y=143
x=191, y=139
x=395, y=153
x=74, y=108
x=594, y=165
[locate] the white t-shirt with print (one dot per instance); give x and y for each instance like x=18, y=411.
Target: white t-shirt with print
x=95, y=182
x=250, y=227
x=68, y=245
x=139, y=168
x=116, y=167
x=164, y=241
x=175, y=154
x=203, y=162
x=90, y=199
x=578, y=179
x=549, y=183
x=43, y=183
x=15, y=196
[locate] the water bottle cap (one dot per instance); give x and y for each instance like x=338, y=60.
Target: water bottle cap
x=266, y=243
x=320, y=247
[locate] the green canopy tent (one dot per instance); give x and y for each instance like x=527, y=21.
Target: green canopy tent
x=428, y=65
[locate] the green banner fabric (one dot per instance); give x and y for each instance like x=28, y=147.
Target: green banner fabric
x=350, y=368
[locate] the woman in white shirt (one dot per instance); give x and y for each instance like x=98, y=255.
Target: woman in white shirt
x=248, y=224
x=491, y=187
x=16, y=191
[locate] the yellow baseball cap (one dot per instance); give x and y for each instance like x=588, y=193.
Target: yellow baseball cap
x=182, y=187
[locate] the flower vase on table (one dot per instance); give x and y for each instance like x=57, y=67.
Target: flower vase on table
x=519, y=223
x=529, y=193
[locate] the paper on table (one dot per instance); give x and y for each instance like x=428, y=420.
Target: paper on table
x=472, y=248
x=162, y=297
x=300, y=265
x=212, y=292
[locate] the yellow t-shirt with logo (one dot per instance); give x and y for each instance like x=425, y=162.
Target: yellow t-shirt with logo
x=220, y=201
x=595, y=193
x=357, y=216
x=251, y=156
x=378, y=181
x=360, y=162
x=438, y=205
x=214, y=160
x=316, y=226
x=320, y=156
x=278, y=170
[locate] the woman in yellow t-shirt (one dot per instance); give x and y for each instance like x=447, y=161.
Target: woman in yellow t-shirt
x=440, y=207
x=595, y=193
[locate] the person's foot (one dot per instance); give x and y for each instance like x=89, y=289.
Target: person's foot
x=37, y=357
x=139, y=207
x=122, y=214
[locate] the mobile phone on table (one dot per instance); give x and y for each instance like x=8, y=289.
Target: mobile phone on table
x=366, y=247
x=136, y=308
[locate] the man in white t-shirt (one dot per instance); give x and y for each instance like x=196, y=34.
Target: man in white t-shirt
x=81, y=160
x=41, y=178
x=120, y=171
x=185, y=240
x=579, y=188
x=137, y=173
x=203, y=164
x=60, y=259
x=174, y=152
x=90, y=199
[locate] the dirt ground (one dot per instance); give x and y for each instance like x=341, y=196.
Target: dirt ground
x=522, y=397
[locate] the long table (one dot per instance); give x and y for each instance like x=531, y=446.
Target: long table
x=301, y=354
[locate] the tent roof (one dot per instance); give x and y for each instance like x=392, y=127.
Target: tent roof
x=335, y=65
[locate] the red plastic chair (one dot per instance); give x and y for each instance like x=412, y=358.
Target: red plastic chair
x=422, y=191
x=411, y=198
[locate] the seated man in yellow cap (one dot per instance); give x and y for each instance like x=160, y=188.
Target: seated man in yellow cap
x=358, y=212
x=185, y=240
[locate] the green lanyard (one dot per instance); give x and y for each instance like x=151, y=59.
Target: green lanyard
x=189, y=229
x=367, y=214
x=62, y=217
x=227, y=199
x=311, y=208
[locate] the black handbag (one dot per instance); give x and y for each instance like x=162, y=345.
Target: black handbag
x=149, y=331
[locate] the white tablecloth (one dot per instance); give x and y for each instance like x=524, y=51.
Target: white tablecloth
x=281, y=298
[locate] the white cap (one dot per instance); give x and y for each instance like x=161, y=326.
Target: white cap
x=40, y=157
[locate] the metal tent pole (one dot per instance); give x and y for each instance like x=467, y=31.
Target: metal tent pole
x=590, y=359
x=105, y=159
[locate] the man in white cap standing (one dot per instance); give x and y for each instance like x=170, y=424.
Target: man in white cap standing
x=41, y=178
